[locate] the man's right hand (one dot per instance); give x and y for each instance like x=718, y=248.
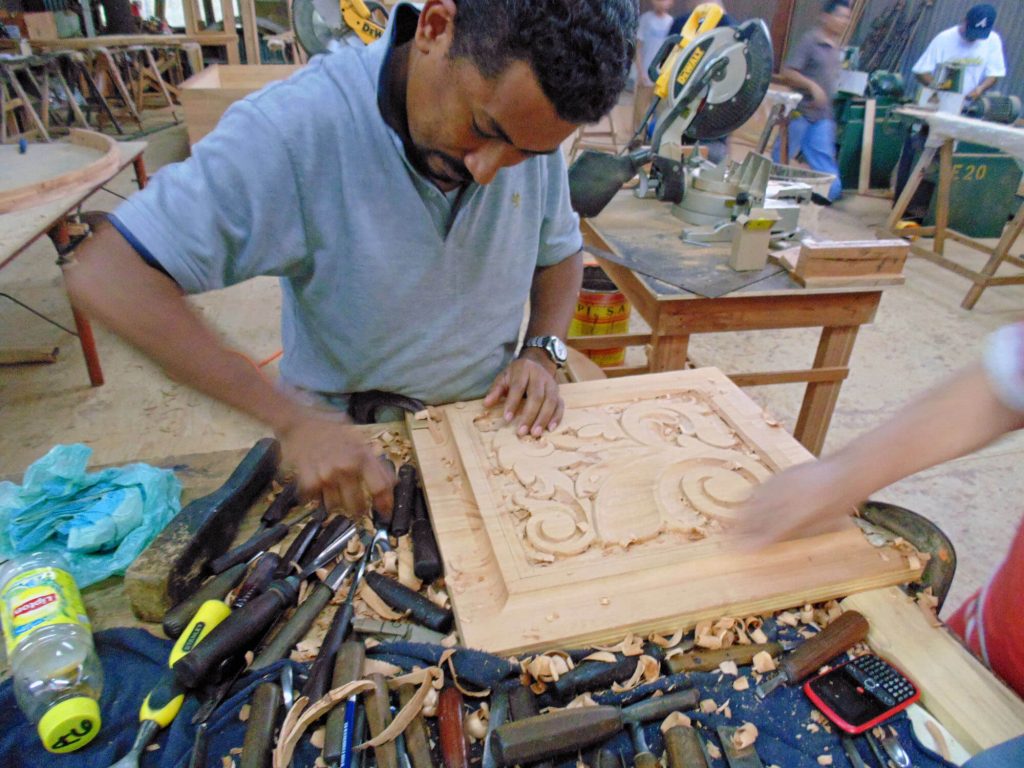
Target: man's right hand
x=818, y=95
x=333, y=460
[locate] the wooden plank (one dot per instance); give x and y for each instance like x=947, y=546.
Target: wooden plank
x=608, y=341
x=976, y=707
x=582, y=535
x=855, y=258
x=834, y=351
x=867, y=147
x=23, y=355
x=942, y=201
x=753, y=313
x=838, y=281
x=250, y=33
x=832, y=373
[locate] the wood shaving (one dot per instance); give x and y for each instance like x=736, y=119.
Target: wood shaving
x=379, y=667
x=450, y=641
x=824, y=759
x=548, y=667
x=354, y=549
x=788, y=619
x=940, y=740
x=724, y=709
x=758, y=636
x=583, y=700
x=475, y=723
x=707, y=706
x=666, y=641
x=389, y=562
x=648, y=669
x=729, y=668
x=227, y=762
x=763, y=662
x=741, y=684
x=152, y=747
x=812, y=727
x=713, y=751
x=406, y=565
x=317, y=738
x=807, y=614
x=438, y=595
x=753, y=622
x=744, y=736
x=243, y=713
x=630, y=645
x=675, y=720
x=929, y=603
x=606, y=656
x=430, y=704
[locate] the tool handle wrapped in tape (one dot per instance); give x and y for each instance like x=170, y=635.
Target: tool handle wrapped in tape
x=426, y=557
x=405, y=500
x=401, y=598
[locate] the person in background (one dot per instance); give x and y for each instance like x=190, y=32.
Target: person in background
x=975, y=46
x=964, y=414
x=812, y=68
x=652, y=30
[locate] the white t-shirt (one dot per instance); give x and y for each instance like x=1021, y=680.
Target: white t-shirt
x=651, y=31
x=983, y=58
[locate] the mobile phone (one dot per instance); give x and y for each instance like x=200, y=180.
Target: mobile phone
x=861, y=693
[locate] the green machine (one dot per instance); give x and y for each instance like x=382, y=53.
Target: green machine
x=887, y=90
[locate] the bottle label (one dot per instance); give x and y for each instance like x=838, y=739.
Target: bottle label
x=39, y=598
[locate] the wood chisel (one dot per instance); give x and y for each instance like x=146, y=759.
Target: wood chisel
x=163, y=703
x=735, y=757
x=522, y=704
x=568, y=730
x=707, y=661
x=258, y=744
x=846, y=631
x=302, y=541
x=244, y=627
x=295, y=628
x=403, y=599
x=328, y=533
x=199, y=747
x=426, y=557
x=417, y=737
x=405, y=500
x=592, y=676
x=217, y=588
x=260, y=575
x=684, y=749
x=378, y=716
x=450, y=715
x=339, y=734
x=321, y=671
x=498, y=715
x=259, y=542
x=642, y=755
x=851, y=752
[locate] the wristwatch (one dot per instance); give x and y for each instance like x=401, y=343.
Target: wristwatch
x=553, y=345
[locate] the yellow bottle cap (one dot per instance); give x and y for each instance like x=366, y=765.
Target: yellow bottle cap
x=70, y=724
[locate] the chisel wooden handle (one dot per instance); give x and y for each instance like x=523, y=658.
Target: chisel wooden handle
x=217, y=588
x=296, y=627
x=557, y=733
x=378, y=716
x=706, y=661
x=426, y=557
x=521, y=705
x=321, y=670
x=405, y=500
x=843, y=633
x=348, y=666
x=259, y=578
x=302, y=541
x=259, y=732
x=593, y=676
x=236, y=634
x=454, y=745
x=401, y=598
x=660, y=707
x=261, y=542
x=683, y=748
x=417, y=738
x=285, y=500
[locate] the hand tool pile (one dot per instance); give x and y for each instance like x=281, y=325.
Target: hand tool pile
x=365, y=604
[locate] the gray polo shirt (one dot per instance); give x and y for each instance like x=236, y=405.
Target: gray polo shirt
x=818, y=61
x=387, y=283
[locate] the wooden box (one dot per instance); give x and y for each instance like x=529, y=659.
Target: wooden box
x=617, y=522
x=207, y=95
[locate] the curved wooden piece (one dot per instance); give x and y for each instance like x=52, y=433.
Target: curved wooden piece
x=56, y=169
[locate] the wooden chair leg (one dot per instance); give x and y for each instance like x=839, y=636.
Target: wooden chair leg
x=26, y=104
x=160, y=81
x=1002, y=249
x=908, y=191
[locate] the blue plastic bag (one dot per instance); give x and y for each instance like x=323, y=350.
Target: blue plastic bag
x=99, y=521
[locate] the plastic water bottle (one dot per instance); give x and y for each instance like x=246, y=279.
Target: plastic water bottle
x=48, y=639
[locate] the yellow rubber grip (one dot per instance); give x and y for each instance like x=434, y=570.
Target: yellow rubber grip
x=704, y=18
x=210, y=614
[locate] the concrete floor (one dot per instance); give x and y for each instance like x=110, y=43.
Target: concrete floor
x=920, y=336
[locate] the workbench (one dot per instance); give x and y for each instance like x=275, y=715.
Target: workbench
x=19, y=229
x=773, y=303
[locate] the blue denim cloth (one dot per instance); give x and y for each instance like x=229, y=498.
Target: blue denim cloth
x=1006, y=755
x=817, y=142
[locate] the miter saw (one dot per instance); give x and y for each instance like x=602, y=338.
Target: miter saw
x=709, y=80
x=319, y=23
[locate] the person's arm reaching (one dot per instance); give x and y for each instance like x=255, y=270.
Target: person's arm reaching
x=952, y=420
x=983, y=86
x=109, y=281
x=528, y=385
x=799, y=82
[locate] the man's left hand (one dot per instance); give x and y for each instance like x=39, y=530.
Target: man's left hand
x=530, y=392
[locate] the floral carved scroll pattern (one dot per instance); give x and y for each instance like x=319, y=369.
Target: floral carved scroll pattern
x=620, y=475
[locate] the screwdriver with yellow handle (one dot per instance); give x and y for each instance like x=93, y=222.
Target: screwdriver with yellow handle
x=164, y=701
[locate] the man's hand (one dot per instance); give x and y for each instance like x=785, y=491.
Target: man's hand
x=809, y=498
x=818, y=95
x=530, y=392
x=333, y=460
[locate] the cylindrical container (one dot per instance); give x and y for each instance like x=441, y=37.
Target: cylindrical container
x=601, y=309
x=48, y=640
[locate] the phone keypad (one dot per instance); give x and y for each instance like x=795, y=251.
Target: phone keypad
x=881, y=680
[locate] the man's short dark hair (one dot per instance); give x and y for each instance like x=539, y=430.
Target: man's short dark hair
x=579, y=50
x=831, y=5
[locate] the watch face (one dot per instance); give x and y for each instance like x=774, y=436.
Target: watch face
x=557, y=347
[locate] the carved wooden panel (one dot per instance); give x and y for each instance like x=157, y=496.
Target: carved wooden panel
x=617, y=520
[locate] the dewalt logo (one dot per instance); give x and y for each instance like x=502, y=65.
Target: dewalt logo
x=687, y=71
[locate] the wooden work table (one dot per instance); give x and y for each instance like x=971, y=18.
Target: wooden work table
x=956, y=688
x=775, y=302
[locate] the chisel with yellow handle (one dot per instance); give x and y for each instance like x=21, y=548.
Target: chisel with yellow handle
x=163, y=703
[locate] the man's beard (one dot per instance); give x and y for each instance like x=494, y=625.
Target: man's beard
x=442, y=167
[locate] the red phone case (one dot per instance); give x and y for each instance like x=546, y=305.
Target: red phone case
x=834, y=716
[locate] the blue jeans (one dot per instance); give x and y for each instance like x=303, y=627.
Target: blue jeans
x=817, y=143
